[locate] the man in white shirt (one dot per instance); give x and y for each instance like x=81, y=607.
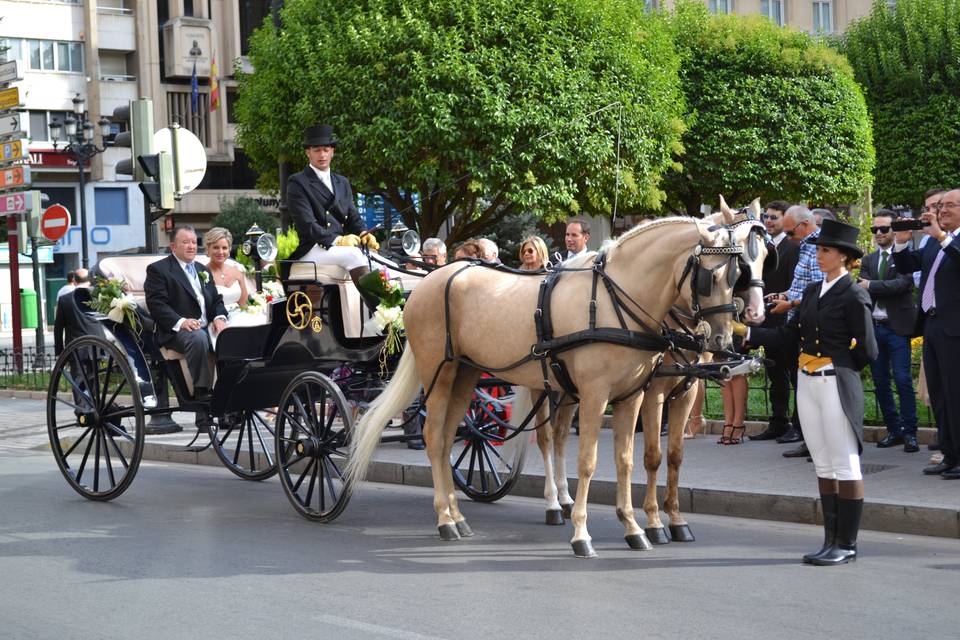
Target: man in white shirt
x=576, y=237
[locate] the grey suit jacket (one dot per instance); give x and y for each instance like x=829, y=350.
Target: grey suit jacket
x=895, y=290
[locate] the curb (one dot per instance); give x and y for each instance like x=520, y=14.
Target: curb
x=877, y=516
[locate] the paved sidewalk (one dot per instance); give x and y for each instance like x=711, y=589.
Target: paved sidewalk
x=752, y=480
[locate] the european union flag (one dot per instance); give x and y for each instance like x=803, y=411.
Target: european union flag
x=194, y=90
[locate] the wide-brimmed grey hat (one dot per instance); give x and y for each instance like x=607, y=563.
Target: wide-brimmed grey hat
x=319, y=135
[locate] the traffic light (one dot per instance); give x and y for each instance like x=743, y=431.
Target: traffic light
x=138, y=116
x=159, y=191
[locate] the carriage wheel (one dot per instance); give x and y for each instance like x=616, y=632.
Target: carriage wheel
x=244, y=443
x=314, y=426
x=95, y=418
x=485, y=464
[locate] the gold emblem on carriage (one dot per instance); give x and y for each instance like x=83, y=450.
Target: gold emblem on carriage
x=316, y=324
x=299, y=309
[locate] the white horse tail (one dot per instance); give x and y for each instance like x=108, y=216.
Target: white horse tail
x=398, y=395
x=520, y=409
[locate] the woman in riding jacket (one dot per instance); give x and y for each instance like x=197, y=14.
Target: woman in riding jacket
x=834, y=329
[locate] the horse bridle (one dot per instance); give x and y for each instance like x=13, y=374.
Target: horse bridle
x=701, y=278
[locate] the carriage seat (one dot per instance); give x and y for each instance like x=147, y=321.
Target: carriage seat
x=171, y=355
x=309, y=272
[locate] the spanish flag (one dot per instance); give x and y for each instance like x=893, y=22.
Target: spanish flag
x=214, y=85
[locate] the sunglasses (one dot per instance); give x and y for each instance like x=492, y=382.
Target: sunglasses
x=883, y=229
x=768, y=216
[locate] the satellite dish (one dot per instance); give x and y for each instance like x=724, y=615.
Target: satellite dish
x=189, y=159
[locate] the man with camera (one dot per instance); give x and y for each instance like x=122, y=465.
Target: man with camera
x=939, y=318
x=894, y=314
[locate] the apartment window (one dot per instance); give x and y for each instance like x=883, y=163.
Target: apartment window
x=10, y=50
x=111, y=207
x=823, y=17
x=773, y=9
x=719, y=6
x=39, y=129
x=252, y=15
x=47, y=55
x=231, y=95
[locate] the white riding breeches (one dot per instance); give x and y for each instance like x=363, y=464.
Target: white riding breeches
x=348, y=258
x=826, y=430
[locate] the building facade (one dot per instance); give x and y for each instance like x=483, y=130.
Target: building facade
x=813, y=16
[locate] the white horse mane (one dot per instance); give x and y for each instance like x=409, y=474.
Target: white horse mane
x=646, y=226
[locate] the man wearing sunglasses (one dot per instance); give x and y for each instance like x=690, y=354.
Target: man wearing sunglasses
x=939, y=322
x=894, y=314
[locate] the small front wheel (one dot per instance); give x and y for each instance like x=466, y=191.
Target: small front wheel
x=314, y=427
x=244, y=443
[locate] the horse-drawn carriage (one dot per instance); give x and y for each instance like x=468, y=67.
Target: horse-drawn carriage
x=286, y=395
x=288, y=392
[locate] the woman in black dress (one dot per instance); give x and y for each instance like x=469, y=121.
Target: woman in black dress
x=834, y=329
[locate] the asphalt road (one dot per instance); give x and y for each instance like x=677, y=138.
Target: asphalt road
x=191, y=552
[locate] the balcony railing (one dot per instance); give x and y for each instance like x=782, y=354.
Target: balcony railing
x=178, y=108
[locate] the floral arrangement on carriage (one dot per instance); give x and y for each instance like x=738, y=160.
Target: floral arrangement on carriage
x=388, y=316
x=258, y=300
x=109, y=296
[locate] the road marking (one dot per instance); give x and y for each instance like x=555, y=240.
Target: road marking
x=389, y=632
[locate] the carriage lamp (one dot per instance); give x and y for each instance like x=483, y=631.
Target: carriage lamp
x=261, y=247
x=403, y=239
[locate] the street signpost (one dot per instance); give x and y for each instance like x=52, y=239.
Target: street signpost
x=9, y=98
x=13, y=203
x=10, y=125
x=10, y=71
x=55, y=222
x=13, y=177
x=11, y=152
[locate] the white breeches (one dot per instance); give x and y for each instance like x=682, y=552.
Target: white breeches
x=826, y=430
x=348, y=258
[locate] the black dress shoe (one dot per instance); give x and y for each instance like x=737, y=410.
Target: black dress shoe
x=793, y=435
x=415, y=444
x=889, y=440
x=910, y=444
x=937, y=469
x=951, y=474
x=799, y=452
x=770, y=433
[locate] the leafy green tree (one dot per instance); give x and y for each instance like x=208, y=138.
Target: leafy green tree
x=908, y=61
x=482, y=107
x=237, y=216
x=772, y=113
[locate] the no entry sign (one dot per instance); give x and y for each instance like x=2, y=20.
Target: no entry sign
x=54, y=222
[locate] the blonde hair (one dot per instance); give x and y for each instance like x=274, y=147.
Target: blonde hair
x=215, y=235
x=539, y=246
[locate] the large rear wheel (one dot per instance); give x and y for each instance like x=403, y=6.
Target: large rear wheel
x=486, y=460
x=95, y=418
x=314, y=426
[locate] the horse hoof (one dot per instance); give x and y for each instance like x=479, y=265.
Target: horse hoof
x=448, y=532
x=555, y=517
x=464, y=529
x=567, y=510
x=638, y=542
x=681, y=533
x=657, y=535
x=583, y=549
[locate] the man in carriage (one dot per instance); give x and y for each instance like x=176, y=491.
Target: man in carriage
x=322, y=208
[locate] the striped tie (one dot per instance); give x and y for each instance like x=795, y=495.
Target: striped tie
x=929, y=299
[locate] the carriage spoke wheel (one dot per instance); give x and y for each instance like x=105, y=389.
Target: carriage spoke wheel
x=244, y=443
x=95, y=418
x=314, y=426
x=485, y=464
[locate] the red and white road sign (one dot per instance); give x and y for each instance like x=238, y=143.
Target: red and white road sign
x=54, y=222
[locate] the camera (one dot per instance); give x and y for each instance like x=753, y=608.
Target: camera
x=909, y=224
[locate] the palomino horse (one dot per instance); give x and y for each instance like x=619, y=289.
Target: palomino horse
x=464, y=319
x=746, y=231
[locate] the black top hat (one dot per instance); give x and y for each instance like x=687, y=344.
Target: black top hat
x=319, y=135
x=839, y=235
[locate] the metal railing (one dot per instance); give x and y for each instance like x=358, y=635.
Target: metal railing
x=26, y=369
x=757, y=397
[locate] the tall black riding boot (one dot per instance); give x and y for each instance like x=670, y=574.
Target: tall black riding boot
x=844, y=549
x=828, y=501
x=368, y=298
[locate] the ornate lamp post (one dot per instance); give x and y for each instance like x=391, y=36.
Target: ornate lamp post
x=77, y=132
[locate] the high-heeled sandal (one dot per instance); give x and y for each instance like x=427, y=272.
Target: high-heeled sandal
x=734, y=437
x=690, y=431
x=725, y=435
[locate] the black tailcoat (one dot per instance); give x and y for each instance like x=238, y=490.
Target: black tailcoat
x=824, y=327
x=319, y=215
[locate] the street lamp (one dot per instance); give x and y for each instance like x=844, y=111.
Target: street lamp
x=77, y=133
